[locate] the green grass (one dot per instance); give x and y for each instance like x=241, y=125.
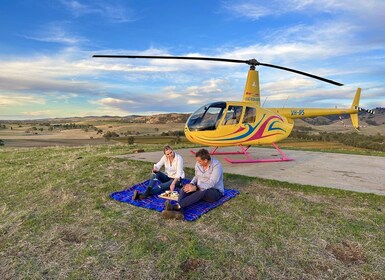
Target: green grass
x=58, y=222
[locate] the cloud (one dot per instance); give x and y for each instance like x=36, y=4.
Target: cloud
x=21, y=100
x=113, y=12
x=40, y=114
x=351, y=24
x=109, y=101
x=167, y=99
x=48, y=74
x=256, y=9
x=248, y=10
x=55, y=32
x=210, y=86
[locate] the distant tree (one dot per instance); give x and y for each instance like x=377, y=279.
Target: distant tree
x=110, y=134
x=1, y=142
x=177, y=139
x=130, y=140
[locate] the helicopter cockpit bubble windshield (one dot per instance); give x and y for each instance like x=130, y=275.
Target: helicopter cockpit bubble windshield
x=207, y=117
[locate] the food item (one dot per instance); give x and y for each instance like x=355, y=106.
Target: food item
x=174, y=194
x=170, y=194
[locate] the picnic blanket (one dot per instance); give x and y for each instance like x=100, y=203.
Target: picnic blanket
x=191, y=212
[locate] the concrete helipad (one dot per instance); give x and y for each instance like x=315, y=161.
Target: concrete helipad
x=342, y=171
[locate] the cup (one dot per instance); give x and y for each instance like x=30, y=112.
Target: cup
x=154, y=169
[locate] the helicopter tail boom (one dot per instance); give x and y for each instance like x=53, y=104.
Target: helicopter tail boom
x=298, y=113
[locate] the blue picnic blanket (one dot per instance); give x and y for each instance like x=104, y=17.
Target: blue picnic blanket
x=191, y=212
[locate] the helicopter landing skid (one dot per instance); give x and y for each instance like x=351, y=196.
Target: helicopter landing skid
x=250, y=160
x=214, y=152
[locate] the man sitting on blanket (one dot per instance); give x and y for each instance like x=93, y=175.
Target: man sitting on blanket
x=173, y=164
x=206, y=185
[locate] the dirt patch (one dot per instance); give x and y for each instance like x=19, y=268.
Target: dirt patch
x=347, y=252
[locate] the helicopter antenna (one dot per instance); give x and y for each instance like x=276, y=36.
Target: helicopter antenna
x=252, y=62
x=264, y=101
x=284, y=104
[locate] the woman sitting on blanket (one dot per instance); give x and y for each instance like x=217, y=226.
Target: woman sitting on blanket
x=206, y=185
x=173, y=165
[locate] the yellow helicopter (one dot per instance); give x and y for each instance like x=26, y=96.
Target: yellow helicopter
x=246, y=123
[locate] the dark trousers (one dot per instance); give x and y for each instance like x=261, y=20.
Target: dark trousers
x=209, y=195
x=165, y=183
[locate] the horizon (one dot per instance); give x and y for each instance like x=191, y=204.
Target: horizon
x=344, y=116
x=48, y=70
x=84, y=117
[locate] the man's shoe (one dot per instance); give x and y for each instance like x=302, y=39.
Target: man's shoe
x=169, y=206
x=168, y=214
x=136, y=195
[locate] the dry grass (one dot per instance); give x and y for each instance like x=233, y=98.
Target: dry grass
x=18, y=137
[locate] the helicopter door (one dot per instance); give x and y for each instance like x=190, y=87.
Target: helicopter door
x=233, y=115
x=250, y=115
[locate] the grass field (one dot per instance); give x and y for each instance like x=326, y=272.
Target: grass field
x=58, y=222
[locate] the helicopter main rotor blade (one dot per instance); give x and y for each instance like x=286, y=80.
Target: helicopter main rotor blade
x=252, y=62
x=302, y=73
x=173, y=57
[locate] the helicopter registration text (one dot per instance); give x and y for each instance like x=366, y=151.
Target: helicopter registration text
x=299, y=112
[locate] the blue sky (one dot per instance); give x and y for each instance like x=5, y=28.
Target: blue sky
x=47, y=69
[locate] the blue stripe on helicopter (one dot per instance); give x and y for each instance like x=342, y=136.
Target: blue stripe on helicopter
x=275, y=128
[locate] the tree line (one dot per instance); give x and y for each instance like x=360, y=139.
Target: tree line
x=354, y=139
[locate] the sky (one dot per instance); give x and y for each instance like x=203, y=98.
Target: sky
x=47, y=69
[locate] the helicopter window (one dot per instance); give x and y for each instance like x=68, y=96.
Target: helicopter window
x=206, y=118
x=233, y=115
x=250, y=115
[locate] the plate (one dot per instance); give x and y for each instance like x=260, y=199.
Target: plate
x=170, y=196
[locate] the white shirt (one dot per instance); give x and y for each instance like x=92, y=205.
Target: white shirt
x=173, y=169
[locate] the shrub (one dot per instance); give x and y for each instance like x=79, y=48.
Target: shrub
x=110, y=134
x=130, y=140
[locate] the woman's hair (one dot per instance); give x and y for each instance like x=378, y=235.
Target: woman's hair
x=203, y=154
x=167, y=148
